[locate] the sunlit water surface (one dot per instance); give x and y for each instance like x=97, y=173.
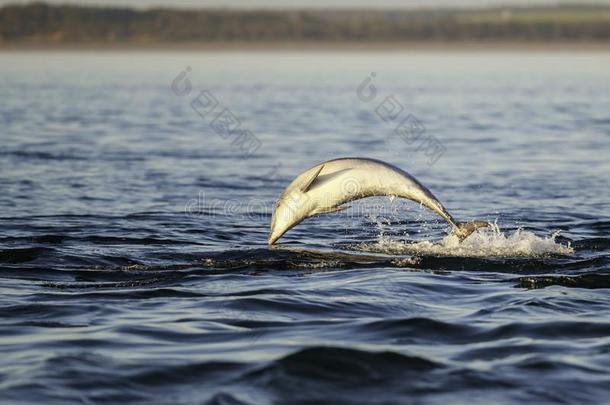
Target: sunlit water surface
x=133, y=257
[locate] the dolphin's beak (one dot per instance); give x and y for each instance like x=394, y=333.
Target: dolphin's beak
x=272, y=239
x=276, y=232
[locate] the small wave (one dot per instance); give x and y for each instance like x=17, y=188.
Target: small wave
x=590, y=281
x=22, y=255
x=485, y=242
x=329, y=364
x=40, y=155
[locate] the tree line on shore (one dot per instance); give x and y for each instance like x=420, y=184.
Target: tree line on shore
x=42, y=23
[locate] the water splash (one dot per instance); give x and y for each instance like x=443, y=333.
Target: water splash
x=485, y=242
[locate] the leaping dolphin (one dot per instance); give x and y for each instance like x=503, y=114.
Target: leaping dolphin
x=325, y=187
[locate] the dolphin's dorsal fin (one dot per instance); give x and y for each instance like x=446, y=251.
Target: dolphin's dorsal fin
x=305, y=187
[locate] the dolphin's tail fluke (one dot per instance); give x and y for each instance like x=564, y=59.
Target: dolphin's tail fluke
x=464, y=229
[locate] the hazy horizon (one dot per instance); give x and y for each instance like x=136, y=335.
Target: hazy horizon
x=279, y=4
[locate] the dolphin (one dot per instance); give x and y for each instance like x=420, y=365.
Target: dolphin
x=325, y=187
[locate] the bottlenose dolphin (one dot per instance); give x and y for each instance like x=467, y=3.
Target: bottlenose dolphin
x=325, y=187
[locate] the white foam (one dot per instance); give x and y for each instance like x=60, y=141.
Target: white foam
x=485, y=242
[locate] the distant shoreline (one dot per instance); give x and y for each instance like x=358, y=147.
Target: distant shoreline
x=288, y=46
x=39, y=26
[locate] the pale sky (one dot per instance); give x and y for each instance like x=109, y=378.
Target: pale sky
x=305, y=3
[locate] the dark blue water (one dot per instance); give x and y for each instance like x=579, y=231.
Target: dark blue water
x=133, y=257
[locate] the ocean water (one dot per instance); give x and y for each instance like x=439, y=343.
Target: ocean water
x=135, y=198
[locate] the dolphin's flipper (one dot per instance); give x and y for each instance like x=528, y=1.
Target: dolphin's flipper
x=332, y=209
x=305, y=187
